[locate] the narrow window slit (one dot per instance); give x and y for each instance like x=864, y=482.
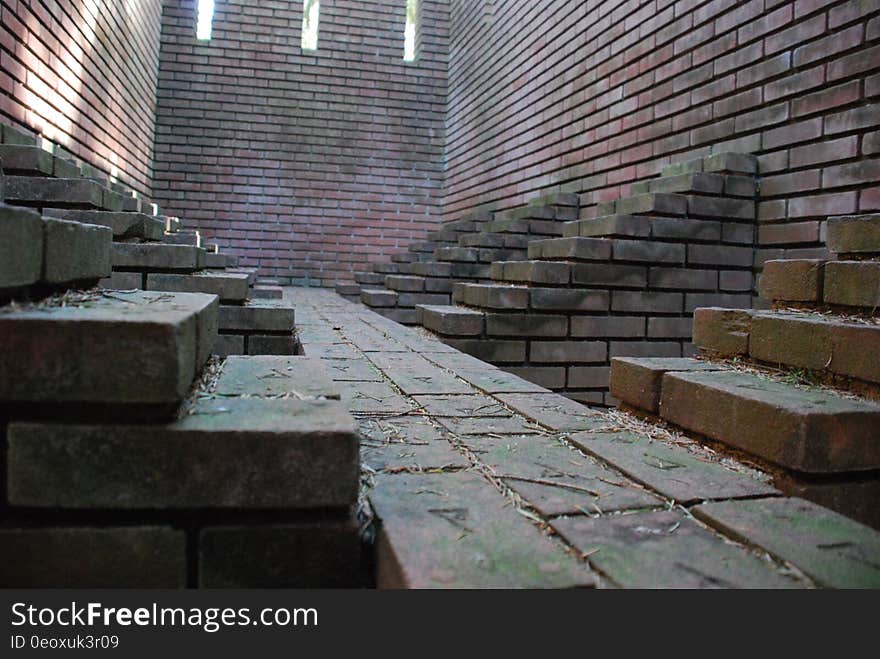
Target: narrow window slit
x=205, y=20
x=409, y=32
x=311, y=16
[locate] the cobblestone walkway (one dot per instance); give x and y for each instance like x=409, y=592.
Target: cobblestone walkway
x=477, y=478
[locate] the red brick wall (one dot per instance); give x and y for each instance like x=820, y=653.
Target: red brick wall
x=589, y=97
x=83, y=74
x=307, y=164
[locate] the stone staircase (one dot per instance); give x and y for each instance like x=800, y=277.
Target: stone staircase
x=794, y=388
x=625, y=283
x=132, y=457
x=148, y=251
x=461, y=251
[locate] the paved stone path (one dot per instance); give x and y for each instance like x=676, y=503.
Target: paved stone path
x=479, y=478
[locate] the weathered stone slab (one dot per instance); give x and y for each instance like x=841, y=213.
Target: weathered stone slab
x=75, y=252
x=269, y=344
x=668, y=550
x=461, y=405
x=351, y=370
x=800, y=429
x=305, y=555
x=258, y=316
x=407, y=443
x=299, y=378
x=674, y=471
x=835, y=551
x=553, y=411
x=28, y=160
x=456, y=531
x=123, y=225
x=114, y=348
x=555, y=479
x=228, y=286
x=21, y=247
x=155, y=257
x=236, y=453
x=636, y=380
x=61, y=192
x=129, y=557
x=183, y=237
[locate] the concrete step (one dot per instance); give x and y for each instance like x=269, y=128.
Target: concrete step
x=809, y=431
x=679, y=205
x=254, y=452
x=854, y=234
x=157, y=257
x=218, y=261
x=451, y=320
x=369, y=278
x=257, y=317
x=106, y=349
x=613, y=249
x=534, y=299
x=183, y=237
x=21, y=248
x=526, y=226
x=405, y=283
x=814, y=341
x=700, y=183
x=375, y=297
x=403, y=257
x=43, y=192
x=348, y=289
x=251, y=273
x=228, y=286
x=260, y=292
x=495, y=240
x=816, y=281
x=477, y=254
x=658, y=228
x=74, y=252
x=532, y=272
x=726, y=162
x=432, y=269
x=124, y=225
x=562, y=199
x=23, y=160
x=386, y=268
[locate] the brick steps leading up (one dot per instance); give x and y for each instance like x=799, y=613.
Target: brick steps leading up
x=125, y=225
x=82, y=193
x=228, y=286
x=822, y=343
x=113, y=349
x=50, y=252
x=812, y=434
